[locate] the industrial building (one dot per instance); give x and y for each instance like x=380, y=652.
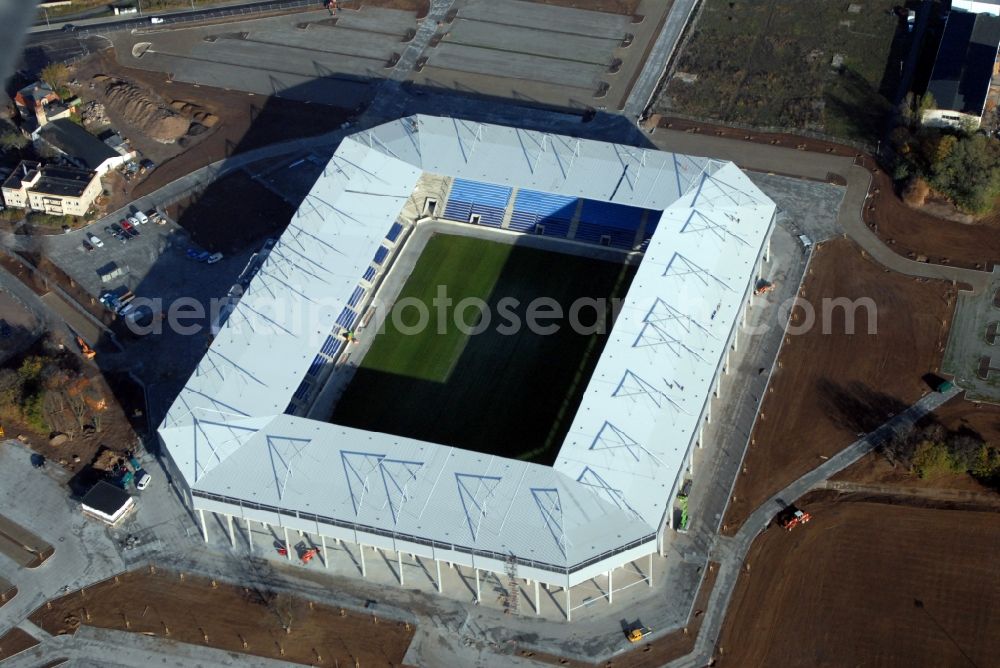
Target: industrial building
x=243, y=437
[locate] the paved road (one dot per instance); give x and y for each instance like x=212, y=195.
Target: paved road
x=731, y=552
x=781, y=160
x=659, y=57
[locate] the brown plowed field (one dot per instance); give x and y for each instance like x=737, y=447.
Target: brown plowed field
x=231, y=618
x=868, y=584
x=829, y=387
x=913, y=233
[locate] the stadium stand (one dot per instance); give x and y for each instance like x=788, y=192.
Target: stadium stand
x=346, y=318
x=316, y=365
x=651, y=222
x=356, y=296
x=369, y=274
x=380, y=255
x=394, y=232
x=469, y=198
x=553, y=212
x=617, y=222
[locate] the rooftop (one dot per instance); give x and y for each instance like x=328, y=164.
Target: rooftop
x=63, y=181
x=77, y=143
x=105, y=498
x=610, y=486
x=25, y=171
x=963, y=68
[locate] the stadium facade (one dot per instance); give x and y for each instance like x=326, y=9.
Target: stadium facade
x=241, y=437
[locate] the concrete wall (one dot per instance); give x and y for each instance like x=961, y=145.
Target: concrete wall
x=429, y=187
x=976, y=7
x=945, y=118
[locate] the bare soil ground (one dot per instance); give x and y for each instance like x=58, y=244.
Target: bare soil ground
x=915, y=233
x=14, y=642
x=229, y=617
x=868, y=584
x=829, y=387
x=244, y=121
x=7, y=591
x=659, y=651
x=23, y=546
x=232, y=213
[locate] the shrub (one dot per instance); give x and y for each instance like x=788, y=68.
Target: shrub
x=932, y=458
x=916, y=192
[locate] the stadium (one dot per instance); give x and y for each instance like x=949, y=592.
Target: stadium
x=543, y=460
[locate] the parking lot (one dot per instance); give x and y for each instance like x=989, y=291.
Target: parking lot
x=509, y=49
x=307, y=56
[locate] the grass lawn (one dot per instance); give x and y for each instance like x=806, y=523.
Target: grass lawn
x=509, y=394
x=769, y=64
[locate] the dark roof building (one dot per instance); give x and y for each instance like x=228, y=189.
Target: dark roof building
x=63, y=181
x=108, y=503
x=964, y=65
x=77, y=144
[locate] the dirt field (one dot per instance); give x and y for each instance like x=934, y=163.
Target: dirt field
x=14, y=642
x=232, y=213
x=21, y=545
x=913, y=233
x=235, y=619
x=658, y=652
x=869, y=584
x=245, y=121
x=828, y=388
x=7, y=591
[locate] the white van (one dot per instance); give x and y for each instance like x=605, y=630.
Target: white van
x=141, y=217
x=142, y=482
x=805, y=241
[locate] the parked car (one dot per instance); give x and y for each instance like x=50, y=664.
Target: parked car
x=141, y=217
x=117, y=233
x=133, y=220
x=94, y=239
x=129, y=227
x=203, y=256
x=87, y=246
x=214, y=257
x=142, y=480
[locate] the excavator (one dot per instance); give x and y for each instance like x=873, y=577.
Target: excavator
x=85, y=350
x=791, y=517
x=637, y=633
x=763, y=287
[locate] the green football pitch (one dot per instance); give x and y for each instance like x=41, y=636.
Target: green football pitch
x=506, y=391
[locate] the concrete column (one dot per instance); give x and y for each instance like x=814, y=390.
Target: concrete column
x=736, y=335
x=399, y=560
x=204, y=527
x=249, y=536
x=326, y=559
x=611, y=587
x=767, y=249
x=708, y=415
x=288, y=545
x=479, y=594
x=569, y=604
x=437, y=562
x=361, y=550
x=538, y=599
x=232, y=534
x=650, y=569
x=718, y=386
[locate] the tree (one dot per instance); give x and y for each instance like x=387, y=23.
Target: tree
x=55, y=75
x=13, y=140
x=970, y=173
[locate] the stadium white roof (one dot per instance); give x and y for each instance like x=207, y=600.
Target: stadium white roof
x=626, y=448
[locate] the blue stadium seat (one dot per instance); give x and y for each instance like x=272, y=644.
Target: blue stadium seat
x=394, y=232
x=356, y=296
x=316, y=365
x=469, y=198
x=346, y=318
x=330, y=345
x=302, y=394
x=369, y=274
x=381, y=254
x=533, y=208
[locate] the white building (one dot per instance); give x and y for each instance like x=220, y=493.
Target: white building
x=240, y=448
